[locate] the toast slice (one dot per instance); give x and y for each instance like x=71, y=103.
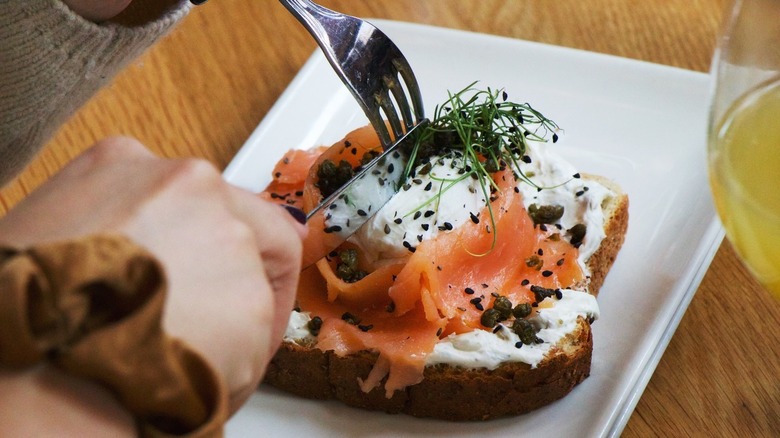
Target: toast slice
x=459, y=393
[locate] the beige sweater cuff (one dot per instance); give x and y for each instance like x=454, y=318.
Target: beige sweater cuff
x=51, y=62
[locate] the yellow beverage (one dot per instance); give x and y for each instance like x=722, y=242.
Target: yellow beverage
x=745, y=178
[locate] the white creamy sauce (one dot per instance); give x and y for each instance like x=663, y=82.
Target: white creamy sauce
x=581, y=200
x=416, y=214
x=425, y=206
x=484, y=349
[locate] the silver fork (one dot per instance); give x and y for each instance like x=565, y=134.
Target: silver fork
x=370, y=65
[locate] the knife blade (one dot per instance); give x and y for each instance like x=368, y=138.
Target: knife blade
x=342, y=213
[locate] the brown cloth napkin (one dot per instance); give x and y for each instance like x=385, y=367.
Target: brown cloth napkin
x=93, y=308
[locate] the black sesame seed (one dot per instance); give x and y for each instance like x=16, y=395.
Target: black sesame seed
x=428, y=186
x=558, y=294
x=524, y=282
x=425, y=226
x=417, y=215
x=474, y=218
x=429, y=213
x=390, y=168
x=546, y=273
x=469, y=291
x=365, y=328
x=332, y=229
x=387, y=229
x=518, y=344
x=361, y=212
x=398, y=221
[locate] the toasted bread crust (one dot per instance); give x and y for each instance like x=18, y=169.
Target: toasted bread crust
x=616, y=225
x=446, y=392
x=455, y=393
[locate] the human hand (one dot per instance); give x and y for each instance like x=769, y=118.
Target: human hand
x=232, y=260
x=97, y=10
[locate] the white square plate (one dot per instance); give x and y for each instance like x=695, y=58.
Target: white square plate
x=641, y=124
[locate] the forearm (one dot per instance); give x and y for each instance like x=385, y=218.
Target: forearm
x=53, y=60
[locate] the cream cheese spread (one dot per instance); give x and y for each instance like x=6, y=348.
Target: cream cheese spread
x=485, y=349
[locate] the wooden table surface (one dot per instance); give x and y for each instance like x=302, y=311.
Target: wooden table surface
x=202, y=90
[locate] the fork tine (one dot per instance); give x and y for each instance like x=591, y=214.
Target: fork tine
x=371, y=67
x=405, y=70
x=379, y=124
x=392, y=86
x=399, y=94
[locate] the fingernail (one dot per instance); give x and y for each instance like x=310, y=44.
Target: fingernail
x=297, y=214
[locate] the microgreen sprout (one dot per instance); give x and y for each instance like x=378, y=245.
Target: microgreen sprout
x=489, y=131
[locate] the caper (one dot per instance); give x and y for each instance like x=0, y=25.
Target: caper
x=314, y=325
x=521, y=310
x=503, y=306
x=490, y=317
x=330, y=177
x=526, y=331
x=545, y=214
x=348, y=269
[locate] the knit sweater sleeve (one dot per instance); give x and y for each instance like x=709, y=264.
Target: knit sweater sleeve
x=51, y=62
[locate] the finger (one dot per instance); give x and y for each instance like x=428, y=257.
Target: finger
x=279, y=241
x=97, y=10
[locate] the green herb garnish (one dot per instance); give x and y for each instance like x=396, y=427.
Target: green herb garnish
x=489, y=132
